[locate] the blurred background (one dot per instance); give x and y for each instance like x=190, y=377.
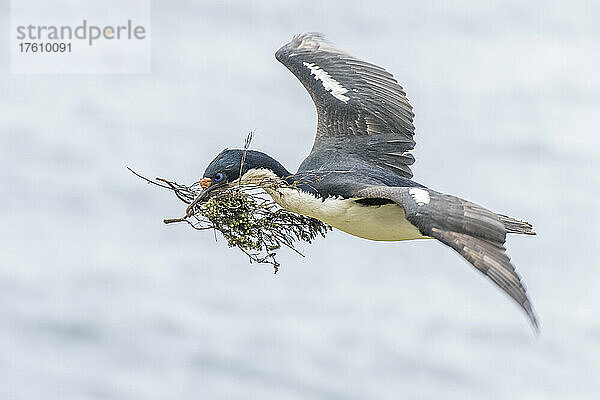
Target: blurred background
x=100, y=300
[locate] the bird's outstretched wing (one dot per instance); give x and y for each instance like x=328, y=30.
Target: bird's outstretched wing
x=363, y=112
x=474, y=232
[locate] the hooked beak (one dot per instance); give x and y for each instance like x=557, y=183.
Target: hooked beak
x=208, y=188
x=205, y=182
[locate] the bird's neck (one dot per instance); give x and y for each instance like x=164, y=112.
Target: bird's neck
x=262, y=161
x=273, y=175
x=262, y=167
x=261, y=177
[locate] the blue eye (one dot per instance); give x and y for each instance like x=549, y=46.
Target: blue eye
x=218, y=177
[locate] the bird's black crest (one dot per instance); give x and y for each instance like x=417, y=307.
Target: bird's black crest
x=229, y=163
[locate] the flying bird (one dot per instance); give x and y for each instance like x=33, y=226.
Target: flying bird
x=357, y=178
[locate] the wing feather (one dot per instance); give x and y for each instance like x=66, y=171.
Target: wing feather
x=352, y=98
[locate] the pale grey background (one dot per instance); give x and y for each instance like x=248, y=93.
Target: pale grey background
x=100, y=300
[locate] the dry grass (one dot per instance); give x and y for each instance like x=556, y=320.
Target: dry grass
x=247, y=218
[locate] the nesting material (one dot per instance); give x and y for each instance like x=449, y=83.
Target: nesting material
x=247, y=218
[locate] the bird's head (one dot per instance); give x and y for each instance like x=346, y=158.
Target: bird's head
x=236, y=166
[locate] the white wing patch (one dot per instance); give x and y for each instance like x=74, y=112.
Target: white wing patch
x=330, y=84
x=421, y=196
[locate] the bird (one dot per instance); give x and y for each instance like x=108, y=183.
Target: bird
x=357, y=177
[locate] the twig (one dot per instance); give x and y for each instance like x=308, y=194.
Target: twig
x=246, y=218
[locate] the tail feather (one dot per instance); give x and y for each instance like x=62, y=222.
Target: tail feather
x=476, y=233
x=513, y=225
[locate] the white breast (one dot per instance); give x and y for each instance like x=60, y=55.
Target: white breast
x=386, y=222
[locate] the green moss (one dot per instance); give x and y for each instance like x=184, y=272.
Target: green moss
x=249, y=220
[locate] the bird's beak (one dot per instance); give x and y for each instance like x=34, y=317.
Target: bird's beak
x=209, y=188
x=205, y=182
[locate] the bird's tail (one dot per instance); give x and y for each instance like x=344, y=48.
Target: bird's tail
x=513, y=225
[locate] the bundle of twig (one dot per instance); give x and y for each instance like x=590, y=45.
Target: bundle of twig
x=247, y=218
